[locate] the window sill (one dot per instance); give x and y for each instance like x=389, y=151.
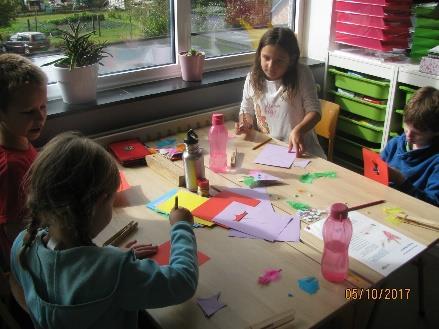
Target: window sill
x=57, y=108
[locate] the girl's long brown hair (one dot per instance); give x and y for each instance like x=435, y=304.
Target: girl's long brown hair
x=284, y=38
x=63, y=185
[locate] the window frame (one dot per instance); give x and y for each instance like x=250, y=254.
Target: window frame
x=181, y=14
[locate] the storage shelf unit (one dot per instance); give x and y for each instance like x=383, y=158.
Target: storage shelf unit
x=353, y=133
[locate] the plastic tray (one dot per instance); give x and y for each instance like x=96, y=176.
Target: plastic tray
x=371, y=32
x=352, y=148
x=408, y=92
x=360, y=129
x=362, y=85
x=370, y=43
x=373, y=21
x=427, y=22
x=357, y=106
x=373, y=10
x=427, y=33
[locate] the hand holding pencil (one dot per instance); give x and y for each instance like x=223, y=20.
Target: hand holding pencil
x=179, y=213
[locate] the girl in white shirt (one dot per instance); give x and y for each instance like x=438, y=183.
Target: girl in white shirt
x=281, y=93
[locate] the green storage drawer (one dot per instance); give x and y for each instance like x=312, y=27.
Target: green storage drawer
x=419, y=52
x=421, y=43
x=358, y=106
x=426, y=22
x=427, y=33
x=360, y=129
x=351, y=148
x=424, y=10
x=408, y=92
x=368, y=87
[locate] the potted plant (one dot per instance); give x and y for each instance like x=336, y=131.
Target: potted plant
x=77, y=70
x=191, y=64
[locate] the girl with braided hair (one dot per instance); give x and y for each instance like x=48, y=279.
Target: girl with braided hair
x=58, y=273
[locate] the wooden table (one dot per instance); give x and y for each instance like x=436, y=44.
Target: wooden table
x=235, y=264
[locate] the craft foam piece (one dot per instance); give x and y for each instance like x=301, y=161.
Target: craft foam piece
x=270, y=275
x=210, y=305
x=298, y=205
x=309, y=284
x=164, y=251
x=310, y=177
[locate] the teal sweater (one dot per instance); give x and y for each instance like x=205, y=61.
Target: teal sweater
x=93, y=287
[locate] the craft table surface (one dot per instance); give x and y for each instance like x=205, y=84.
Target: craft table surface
x=236, y=263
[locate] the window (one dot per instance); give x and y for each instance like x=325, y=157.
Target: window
x=144, y=36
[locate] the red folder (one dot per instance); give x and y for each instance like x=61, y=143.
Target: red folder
x=374, y=167
x=129, y=152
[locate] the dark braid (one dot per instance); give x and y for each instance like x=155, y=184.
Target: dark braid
x=32, y=230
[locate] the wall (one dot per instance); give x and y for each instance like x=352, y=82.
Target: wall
x=317, y=23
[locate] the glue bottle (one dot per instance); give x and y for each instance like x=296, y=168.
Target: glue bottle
x=218, y=137
x=337, y=234
x=193, y=161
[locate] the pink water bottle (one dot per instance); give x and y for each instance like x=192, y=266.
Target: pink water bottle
x=337, y=234
x=218, y=136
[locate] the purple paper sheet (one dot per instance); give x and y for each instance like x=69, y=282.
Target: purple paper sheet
x=276, y=155
x=301, y=163
x=210, y=305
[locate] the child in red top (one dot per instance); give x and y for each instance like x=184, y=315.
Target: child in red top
x=23, y=98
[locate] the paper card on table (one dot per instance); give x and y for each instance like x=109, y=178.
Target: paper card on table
x=214, y=205
x=123, y=182
x=164, y=251
x=210, y=305
x=260, y=221
x=154, y=203
x=301, y=163
x=276, y=155
x=374, y=167
x=380, y=247
x=291, y=233
x=261, y=176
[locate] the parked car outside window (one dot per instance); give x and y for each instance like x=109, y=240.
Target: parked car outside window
x=27, y=42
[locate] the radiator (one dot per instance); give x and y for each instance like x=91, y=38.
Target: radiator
x=157, y=130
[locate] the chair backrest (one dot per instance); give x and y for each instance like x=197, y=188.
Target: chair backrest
x=328, y=123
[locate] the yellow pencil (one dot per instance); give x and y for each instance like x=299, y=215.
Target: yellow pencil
x=260, y=144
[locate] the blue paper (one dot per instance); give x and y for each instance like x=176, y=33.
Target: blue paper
x=309, y=284
x=154, y=203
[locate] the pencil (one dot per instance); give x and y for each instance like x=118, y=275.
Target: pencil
x=418, y=221
x=125, y=233
x=118, y=233
x=365, y=205
x=260, y=144
x=176, y=203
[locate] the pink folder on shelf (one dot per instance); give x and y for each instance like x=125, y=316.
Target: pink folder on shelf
x=374, y=167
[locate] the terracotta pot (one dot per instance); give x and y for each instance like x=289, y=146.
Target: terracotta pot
x=191, y=67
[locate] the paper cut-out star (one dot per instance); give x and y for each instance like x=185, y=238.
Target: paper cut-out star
x=210, y=305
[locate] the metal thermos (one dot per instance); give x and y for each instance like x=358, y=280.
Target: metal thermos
x=193, y=161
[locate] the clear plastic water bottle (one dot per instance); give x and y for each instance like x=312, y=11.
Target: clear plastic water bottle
x=218, y=137
x=337, y=234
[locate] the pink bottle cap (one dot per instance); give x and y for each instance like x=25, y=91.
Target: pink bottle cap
x=339, y=211
x=217, y=119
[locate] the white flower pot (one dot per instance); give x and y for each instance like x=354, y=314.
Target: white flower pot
x=78, y=86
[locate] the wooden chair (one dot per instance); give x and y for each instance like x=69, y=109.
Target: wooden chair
x=327, y=125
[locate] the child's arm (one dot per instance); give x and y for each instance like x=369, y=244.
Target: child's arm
x=431, y=192
x=296, y=136
x=17, y=292
x=145, y=284
x=247, y=109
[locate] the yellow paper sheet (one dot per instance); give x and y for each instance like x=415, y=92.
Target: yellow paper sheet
x=188, y=200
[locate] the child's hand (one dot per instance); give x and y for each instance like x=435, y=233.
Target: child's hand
x=141, y=250
x=396, y=176
x=295, y=142
x=180, y=214
x=244, y=125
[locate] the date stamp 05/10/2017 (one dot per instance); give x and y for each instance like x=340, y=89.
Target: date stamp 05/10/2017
x=377, y=293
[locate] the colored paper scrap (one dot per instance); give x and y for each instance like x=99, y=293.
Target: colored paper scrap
x=256, y=177
x=187, y=200
x=249, y=181
x=214, y=205
x=270, y=275
x=164, y=251
x=298, y=205
x=310, y=177
x=210, y=305
x=301, y=163
x=165, y=142
x=309, y=284
x=392, y=213
x=123, y=182
x=276, y=155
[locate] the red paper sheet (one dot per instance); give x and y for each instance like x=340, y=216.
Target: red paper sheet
x=164, y=252
x=374, y=167
x=212, y=207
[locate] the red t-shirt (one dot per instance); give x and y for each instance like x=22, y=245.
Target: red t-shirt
x=13, y=166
